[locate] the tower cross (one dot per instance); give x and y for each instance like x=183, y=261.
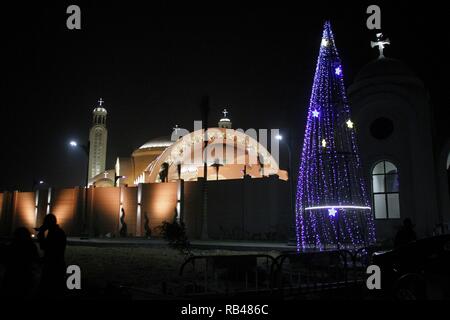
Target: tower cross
x=176, y=129
x=100, y=102
x=225, y=112
x=380, y=43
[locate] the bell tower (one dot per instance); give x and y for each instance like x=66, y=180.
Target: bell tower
x=98, y=137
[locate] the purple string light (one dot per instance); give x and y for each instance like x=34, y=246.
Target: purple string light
x=330, y=174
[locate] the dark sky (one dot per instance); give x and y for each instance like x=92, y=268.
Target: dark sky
x=152, y=64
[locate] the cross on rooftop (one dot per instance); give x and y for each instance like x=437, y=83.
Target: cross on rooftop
x=225, y=112
x=380, y=43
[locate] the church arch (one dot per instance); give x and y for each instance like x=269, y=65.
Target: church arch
x=188, y=152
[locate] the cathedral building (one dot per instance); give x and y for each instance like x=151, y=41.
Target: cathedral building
x=232, y=155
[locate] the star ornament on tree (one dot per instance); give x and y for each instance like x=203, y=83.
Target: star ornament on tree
x=315, y=113
x=349, y=124
x=332, y=212
x=338, y=71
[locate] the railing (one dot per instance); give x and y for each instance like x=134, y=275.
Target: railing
x=228, y=274
x=288, y=274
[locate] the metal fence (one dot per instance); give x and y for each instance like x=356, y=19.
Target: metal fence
x=284, y=275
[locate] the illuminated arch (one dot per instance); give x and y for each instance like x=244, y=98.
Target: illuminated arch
x=240, y=152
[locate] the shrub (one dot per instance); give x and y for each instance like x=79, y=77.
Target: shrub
x=175, y=233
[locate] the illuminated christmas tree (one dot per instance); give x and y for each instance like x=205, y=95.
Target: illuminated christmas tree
x=332, y=204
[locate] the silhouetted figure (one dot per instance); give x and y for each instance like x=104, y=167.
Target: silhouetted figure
x=148, y=231
x=123, y=229
x=164, y=173
x=19, y=260
x=179, y=171
x=261, y=164
x=52, y=240
x=406, y=234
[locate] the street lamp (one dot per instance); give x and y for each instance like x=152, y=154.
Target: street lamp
x=85, y=147
x=217, y=165
x=37, y=183
x=279, y=137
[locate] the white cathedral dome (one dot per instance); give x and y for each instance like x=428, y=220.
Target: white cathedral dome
x=160, y=142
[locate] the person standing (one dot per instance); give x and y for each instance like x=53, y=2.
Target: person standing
x=52, y=240
x=20, y=258
x=406, y=234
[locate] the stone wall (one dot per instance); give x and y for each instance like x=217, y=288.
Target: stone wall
x=252, y=209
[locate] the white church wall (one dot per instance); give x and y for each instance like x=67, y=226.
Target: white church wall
x=409, y=147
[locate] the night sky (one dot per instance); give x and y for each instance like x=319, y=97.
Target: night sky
x=152, y=65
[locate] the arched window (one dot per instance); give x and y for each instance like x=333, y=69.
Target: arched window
x=385, y=191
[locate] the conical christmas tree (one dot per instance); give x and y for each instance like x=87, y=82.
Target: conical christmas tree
x=332, y=205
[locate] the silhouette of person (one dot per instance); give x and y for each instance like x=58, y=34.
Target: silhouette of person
x=406, y=234
x=20, y=258
x=124, y=229
x=148, y=230
x=52, y=240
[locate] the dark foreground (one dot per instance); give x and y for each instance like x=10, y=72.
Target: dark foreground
x=112, y=270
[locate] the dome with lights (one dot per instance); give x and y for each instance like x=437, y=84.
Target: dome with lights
x=100, y=110
x=160, y=142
